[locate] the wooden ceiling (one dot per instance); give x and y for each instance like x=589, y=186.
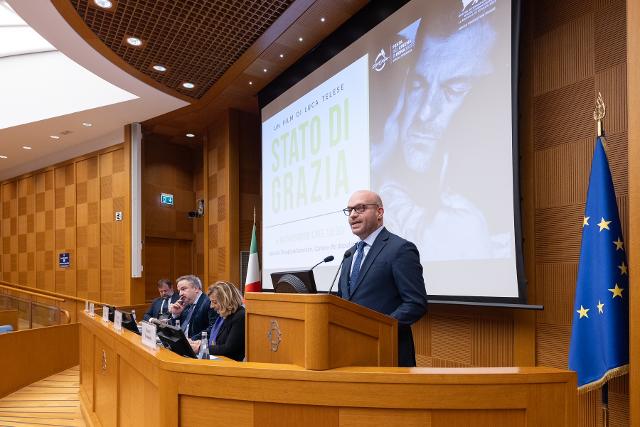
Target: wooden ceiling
x=222, y=46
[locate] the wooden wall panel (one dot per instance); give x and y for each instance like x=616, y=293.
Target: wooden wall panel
x=65, y=227
x=564, y=55
x=568, y=164
x=113, y=191
x=68, y=208
x=550, y=14
x=10, y=232
x=223, y=199
x=88, y=228
x=610, y=35
x=45, y=233
x=199, y=223
x=26, y=232
x=564, y=115
x=250, y=156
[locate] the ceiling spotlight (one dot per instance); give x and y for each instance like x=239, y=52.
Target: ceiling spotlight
x=3, y=157
x=282, y=55
x=250, y=83
x=322, y=19
x=300, y=39
x=105, y=4
x=188, y=85
x=134, y=41
x=264, y=70
x=190, y=135
x=87, y=125
x=160, y=68
x=26, y=147
x=54, y=137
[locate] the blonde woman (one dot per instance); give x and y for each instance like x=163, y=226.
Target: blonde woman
x=226, y=334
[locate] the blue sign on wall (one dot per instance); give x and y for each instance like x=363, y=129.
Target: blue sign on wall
x=166, y=199
x=64, y=260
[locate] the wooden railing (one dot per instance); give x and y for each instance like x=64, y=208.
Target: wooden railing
x=36, y=308
x=68, y=305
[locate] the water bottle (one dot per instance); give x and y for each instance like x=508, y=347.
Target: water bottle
x=204, y=347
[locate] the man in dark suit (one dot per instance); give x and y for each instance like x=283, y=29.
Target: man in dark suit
x=192, y=308
x=160, y=306
x=384, y=271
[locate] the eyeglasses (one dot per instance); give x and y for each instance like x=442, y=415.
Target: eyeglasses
x=359, y=208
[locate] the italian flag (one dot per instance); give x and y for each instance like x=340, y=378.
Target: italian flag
x=253, y=283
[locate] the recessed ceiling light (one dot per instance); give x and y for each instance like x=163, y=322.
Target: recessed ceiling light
x=282, y=55
x=188, y=85
x=105, y=4
x=87, y=125
x=300, y=39
x=54, y=137
x=264, y=70
x=322, y=19
x=3, y=157
x=134, y=41
x=26, y=147
x=160, y=68
x=250, y=83
x=190, y=135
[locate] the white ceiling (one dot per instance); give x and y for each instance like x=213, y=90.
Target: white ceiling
x=108, y=121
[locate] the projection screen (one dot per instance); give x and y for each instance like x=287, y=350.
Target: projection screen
x=419, y=109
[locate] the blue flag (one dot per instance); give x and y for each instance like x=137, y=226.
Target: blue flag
x=599, y=348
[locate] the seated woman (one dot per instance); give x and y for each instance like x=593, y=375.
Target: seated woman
x=226, y=334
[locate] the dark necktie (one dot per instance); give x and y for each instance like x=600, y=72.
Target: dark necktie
x=187, y=318
x=353, y=280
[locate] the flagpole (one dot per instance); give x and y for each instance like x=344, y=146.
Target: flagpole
x=598, y=116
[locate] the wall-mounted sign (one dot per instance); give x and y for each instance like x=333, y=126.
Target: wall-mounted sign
x=64, y=260
x=166, y=199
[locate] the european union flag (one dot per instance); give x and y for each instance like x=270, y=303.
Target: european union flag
x=599, y=348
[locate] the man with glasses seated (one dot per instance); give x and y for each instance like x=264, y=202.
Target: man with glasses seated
x=383, y=272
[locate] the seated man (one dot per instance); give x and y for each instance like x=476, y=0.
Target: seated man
x=192, y=308
x=159, y=308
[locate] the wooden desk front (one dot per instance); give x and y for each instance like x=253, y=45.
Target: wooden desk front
x=123, y=383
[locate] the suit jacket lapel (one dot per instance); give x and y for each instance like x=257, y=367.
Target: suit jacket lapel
x=378, y=244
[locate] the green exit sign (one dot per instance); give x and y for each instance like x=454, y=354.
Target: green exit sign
x=166, y=199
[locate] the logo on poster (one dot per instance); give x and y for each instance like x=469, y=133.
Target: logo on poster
x=381, y=61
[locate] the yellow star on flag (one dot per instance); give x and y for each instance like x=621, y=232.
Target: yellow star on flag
x=604, y=224
x=585, y=221
x=600, y=307
x=619, y=244
x=583, y=312
x=623, y=268
x=617, y=291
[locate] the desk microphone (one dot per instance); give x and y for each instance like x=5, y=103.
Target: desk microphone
x=347, y=254
x=326, y=259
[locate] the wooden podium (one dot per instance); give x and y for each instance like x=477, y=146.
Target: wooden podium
x=318, y=332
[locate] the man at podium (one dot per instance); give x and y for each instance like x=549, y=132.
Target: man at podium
x=383, y=272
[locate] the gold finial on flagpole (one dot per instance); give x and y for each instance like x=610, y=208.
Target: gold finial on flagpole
x=254, y=214
x=599, y=113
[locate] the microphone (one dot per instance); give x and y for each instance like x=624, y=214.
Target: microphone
x=326, y=259
x=347, y=254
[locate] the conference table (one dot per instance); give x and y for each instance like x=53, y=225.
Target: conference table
x=123, y=382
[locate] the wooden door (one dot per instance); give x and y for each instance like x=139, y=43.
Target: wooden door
x=165, y=259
